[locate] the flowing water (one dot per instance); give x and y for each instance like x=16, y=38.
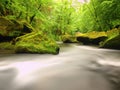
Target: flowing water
x=74, y=68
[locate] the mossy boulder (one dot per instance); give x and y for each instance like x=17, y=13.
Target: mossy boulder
x=91, y=37
x=113, y=33
x=69, y=38
x=84, y=40
x=6, y=46
x=10, y=29
x=113, y=41
x=36, y=42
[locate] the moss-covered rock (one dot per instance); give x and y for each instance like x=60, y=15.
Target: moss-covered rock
x=96, y=41
x=113, y=33
x=6, y=46
x=84, y=40
x=69, y=38
x=91, y=37
x=113, y=40
x=10, y=29
x=112, y=43
x=36, y=42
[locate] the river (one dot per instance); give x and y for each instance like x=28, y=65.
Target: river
x=76, y=67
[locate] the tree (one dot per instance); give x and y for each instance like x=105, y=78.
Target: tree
x=100, y=15
x=64, y=17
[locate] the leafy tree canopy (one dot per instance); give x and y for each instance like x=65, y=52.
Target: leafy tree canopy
x=65, y=16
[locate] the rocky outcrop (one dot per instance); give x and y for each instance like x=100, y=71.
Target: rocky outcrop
x=24, y=38
x=36, y=42
x=84, y=40
x=6, y=46
x=91, y=38
x=113, y=43
x=10, y=29
x=69, y=38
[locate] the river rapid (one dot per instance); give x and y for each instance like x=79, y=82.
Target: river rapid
x=76, y=67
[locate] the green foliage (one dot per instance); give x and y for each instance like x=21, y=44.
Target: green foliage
x=64, y=17
x=100, y=15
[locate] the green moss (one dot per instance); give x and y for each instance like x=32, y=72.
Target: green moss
x=113, y=40
x=36, y=42
x=14, y=28
x=69, y=38
x=113, y=33
x=113, y=43
x=91, y=37
x=6, y=46
x=5, y=24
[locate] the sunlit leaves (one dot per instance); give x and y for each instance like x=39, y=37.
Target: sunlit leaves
x=100, y=15
x=64, y=16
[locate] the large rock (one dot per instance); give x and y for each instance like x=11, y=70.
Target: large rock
x=6, y=46
x=36, y=42
x=10, y=29
x=84, y=40
x=113, y=43
x=91, y=37
x=113, y=40
x=69, y=38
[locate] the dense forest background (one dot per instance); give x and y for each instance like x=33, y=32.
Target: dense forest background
x=64, y=15
x=57, y=18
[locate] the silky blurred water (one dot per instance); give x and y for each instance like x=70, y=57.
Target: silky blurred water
x=69, y=70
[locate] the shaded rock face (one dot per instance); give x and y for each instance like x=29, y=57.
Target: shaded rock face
x=6, y=38
x=9, y=29
x=84, y=40
x=24, y=38
x=93, y=38
x=69, y=39
x=94, y=41
x=26, y=29
x=113, y=43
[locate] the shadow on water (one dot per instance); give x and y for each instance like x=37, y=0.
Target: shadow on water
x=75, y=68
